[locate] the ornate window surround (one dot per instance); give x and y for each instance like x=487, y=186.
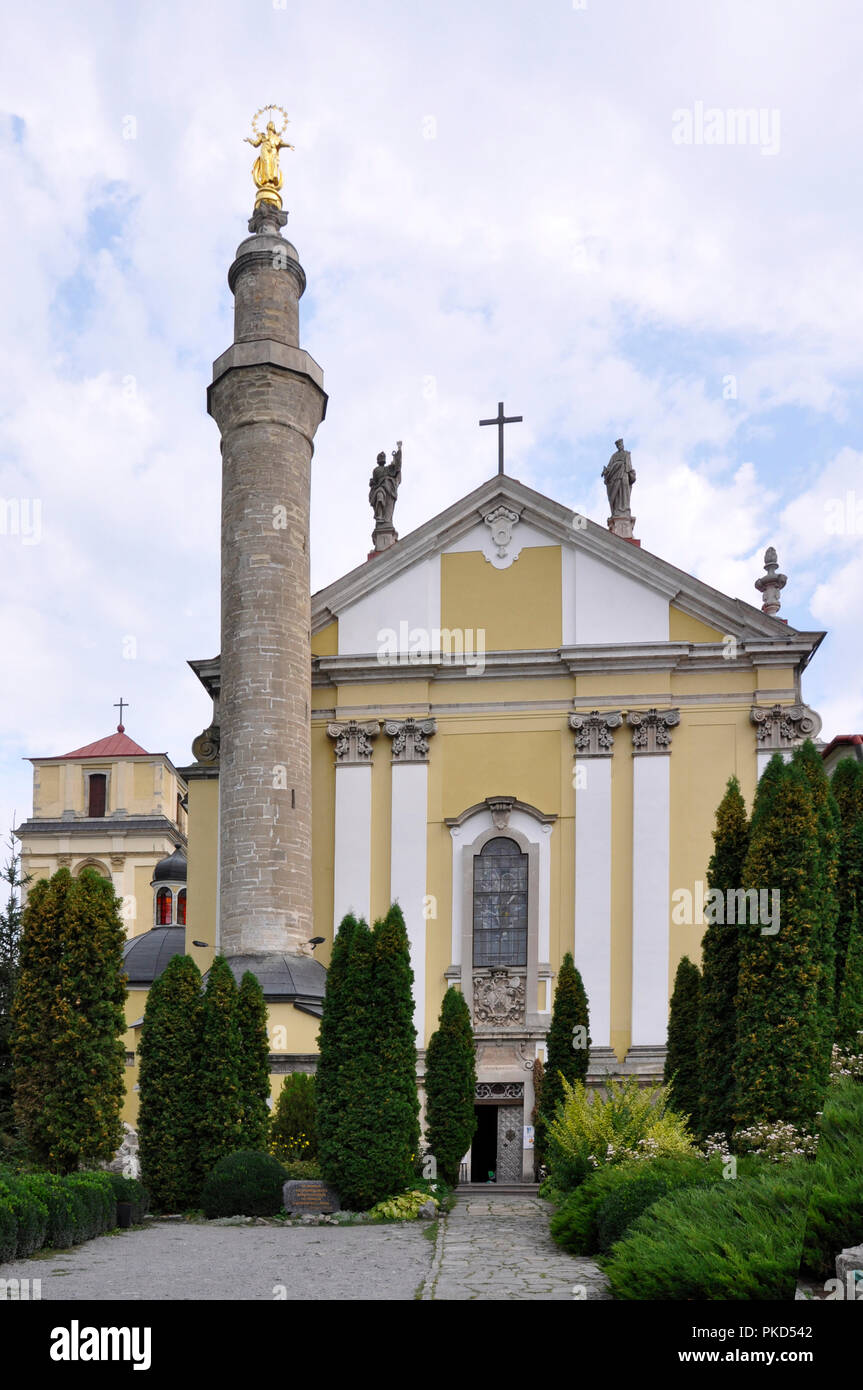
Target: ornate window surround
x=531, y=830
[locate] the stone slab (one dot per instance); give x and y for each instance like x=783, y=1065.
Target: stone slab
x=309, y=1197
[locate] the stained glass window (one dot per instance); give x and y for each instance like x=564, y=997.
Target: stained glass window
x=164, y=907
x=500, y=904
x=181, y=908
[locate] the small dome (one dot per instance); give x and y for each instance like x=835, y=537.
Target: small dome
x=145, y=956
x=173, y=869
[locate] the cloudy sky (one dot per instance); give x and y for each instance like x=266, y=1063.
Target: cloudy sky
x=538, y=201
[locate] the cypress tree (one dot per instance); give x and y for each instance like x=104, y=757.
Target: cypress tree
x=779, y=1033
x=391, y=1096
x=771, y=778
x=568, y=1046
x=10, y=946
x=847, y=785
x=811, y=764
x=169, y=1079
x=71, y=1079
x=219, y=1073
x=450, y=1085
x=344, y=1116
x=849, y=1023
x=254, y=1064
x=720, y=951
x=682, y=1072
x=332, y=1050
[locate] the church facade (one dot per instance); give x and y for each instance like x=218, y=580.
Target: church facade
x=514, y=721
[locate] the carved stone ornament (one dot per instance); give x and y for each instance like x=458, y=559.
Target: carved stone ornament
x=498, y=998
x=651, y=729
x=501, y=810
x=353, y=741
x=771, y=584
x=117, y=861
x=64, y=860
x=410, y=738
x=593, y=732
x=499, y=1090
x=784, y=726
x=500, y=522
x=205, y=748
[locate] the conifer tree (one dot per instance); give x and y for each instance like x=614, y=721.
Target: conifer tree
x=568, y=1046
x=849, y=1023
x=847, y=785
x=169, y=1081
x=344, y=1115
x=294, y=1129
x=10, y=945
x=450, y=1085
x=393, y=1103
x=771, y=778
x=333, y=1050
x=717, y=1025
x=810, y=763
x=682, y=1072
x=254, y=1064
x=219, y=1070
x=68, y=1021
x=779, y=1033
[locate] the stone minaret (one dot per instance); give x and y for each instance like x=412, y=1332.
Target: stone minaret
x=267, y=399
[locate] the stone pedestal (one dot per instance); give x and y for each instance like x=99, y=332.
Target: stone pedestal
x=622, y=526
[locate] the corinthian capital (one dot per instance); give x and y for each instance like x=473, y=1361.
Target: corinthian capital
x=353, y=741
x=651, y=729
x=410, y=738
x=593, y=732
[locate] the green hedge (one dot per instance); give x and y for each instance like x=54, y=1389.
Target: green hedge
x=835, y=1216
x=738, y=1240
x=598, y=1212
x=39, y=1209
x=245, y=1183
x=132, y=1191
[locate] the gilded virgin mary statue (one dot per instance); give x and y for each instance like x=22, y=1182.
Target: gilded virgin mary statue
x=266, y=172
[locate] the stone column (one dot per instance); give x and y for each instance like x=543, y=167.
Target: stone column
x=352, y=853
x=408, y=844
x=267, y=398
x=594, y=745
x=651, y=893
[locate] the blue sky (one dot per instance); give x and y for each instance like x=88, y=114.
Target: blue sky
x=489, y=204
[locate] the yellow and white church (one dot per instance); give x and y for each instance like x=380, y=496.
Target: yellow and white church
x=515, y=721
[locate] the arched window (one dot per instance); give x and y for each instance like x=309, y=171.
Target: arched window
x=500, y=904
x=97, y=786
x=164, y=907
x=181, y=908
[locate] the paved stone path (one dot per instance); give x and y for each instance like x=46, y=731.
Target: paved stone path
x=500, y=1248
x=173, y=1260
x=487, y=1248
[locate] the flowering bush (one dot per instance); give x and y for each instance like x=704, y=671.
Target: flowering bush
x=632, y=1122
x=847, y=1065
x=780, y=1143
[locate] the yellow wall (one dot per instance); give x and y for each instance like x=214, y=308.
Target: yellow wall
x=517, y=608
x=683, y=628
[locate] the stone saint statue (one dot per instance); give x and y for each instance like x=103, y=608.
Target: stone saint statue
x=384, y=486
x=618, y=476
x=266, y=172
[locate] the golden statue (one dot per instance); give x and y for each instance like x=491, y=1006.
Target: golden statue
x=266, y=171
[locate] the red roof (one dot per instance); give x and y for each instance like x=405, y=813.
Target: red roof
x=114, y=746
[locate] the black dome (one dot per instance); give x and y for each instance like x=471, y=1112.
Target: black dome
x=173, y=869
x=145, y=956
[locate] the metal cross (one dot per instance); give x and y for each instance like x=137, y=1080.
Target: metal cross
x=122, y=705
x=500, y=420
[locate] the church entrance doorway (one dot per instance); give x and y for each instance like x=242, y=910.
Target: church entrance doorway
x=483, y=1150
x=496, y=1151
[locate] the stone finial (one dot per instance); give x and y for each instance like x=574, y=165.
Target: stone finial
x=618, y=476
x=593, y=732
x=771, y=584
x=651, y=729
x=353, y=741
x=383, y=490
x=410, y=738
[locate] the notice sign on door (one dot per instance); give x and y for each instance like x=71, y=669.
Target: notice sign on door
x=528, y=1137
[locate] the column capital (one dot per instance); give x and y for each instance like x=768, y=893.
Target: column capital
x=410, y=738
x=651, y=729
x=783, y=726
x=353, y=741
x=593, y=732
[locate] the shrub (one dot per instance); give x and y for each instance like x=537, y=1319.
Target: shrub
x=221, y=1107
x=39, y=1209
x=847, y=1063
x=632, y=1122
x=293, y=1126
x=404, y=1207
x=96, y=1206
x=835, y=1215
x=451, y=1086
x=245, y=1183
x=29, y=1212
x=392, y=1137
x=737, y=1240
x=132, y=1191
x=777, y=1142
x=596, y=1214
x=302, y=1172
